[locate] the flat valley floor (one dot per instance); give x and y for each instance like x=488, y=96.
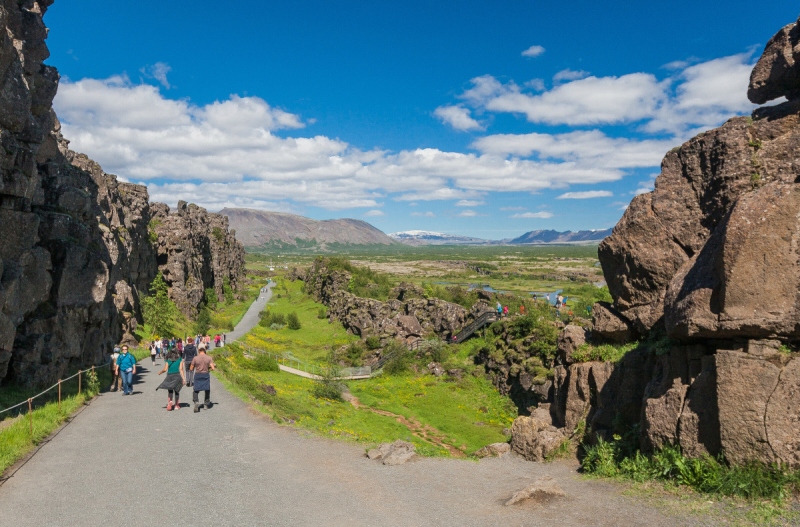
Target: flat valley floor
x=127, y=461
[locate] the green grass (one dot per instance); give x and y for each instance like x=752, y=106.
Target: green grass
x=15, y=436
x=313, y=342
x=766, y=491
x=452, y=408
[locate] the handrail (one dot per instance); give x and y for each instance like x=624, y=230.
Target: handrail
x=475, y=325
x=26, y=401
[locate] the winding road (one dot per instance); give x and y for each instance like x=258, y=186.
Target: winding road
x=127, y=461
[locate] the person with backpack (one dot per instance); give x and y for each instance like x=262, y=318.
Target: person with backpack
x=505, y=311
x=499, y=310
x=153, y=352
x=174, y=381
x=189, y=353
x=202, y=378
x=126, y=367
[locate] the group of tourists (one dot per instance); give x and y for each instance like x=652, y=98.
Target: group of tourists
x=191, y=367
x=560, y=303
x=186, y=363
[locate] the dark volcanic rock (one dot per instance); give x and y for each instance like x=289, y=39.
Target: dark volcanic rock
x=196, y=252
x=75, y=245
x=777, y=73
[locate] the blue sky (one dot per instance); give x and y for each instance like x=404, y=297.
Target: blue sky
x=486, y=119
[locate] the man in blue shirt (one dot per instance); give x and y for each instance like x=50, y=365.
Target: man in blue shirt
x=126, y=367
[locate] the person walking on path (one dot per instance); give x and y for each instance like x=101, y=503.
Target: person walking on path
x=126, y=367
x=505, y=311
x=202, y=379
x=499, y=310
x=522, y=310
x=153, y=352
x=174, y=381
x=116, y=380
x=189, y=353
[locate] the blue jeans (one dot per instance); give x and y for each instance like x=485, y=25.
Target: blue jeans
x=127, y=382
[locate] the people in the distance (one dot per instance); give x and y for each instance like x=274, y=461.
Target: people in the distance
x=189, y=353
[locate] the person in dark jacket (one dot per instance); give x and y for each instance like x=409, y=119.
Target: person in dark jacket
x=189, y=353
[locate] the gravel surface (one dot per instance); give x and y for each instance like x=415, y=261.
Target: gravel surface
x=250, y=319
x=127, y=461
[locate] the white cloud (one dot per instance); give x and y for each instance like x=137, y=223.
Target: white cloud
x=458, y=117
x=527, y=215
x=620, y=205
x=374, y=213
x=695, y=96
x=570, y=75
x=533, y=51
x=470, y=203
x=646, y=186
x=439, y=194
x=593, y=148
x=467, y=214
x=588, y=194
x=535, y=84
x=512, y=208
x=158, y=71
x=424, y=214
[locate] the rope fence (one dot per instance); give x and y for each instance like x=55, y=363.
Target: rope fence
x=29, y=401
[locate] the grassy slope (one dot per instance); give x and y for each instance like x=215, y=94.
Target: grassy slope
x=453, y=408
x=311, y=343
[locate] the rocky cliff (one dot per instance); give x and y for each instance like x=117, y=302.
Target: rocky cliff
x=406, y=315
x=76, y=248
x=196, y=251
x=710, y=258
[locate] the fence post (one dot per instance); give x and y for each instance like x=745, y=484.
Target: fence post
x=59, y=396
x=79, y=382
x=30, y=417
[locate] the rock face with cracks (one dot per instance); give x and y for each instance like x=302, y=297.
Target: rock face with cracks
x=76, y=248
x=709, y=258
x=407, y=315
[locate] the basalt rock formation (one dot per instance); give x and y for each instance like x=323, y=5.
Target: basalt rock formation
x=408, y=315
x=709, y=258
x=76, y=247
x=195, y=251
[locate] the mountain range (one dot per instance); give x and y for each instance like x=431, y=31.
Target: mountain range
x=279, y=230
x=258, y=228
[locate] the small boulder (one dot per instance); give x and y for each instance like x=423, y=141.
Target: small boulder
x=493, y=450
x=535, y=439
x=392, y=454
x=541, y=490
x=435, y=369
x=268, y=389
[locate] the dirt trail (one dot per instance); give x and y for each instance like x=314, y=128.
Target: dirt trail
x=425, y=432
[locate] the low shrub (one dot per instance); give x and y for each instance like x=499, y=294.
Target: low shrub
x=293, y=321
x=276, y=327
x=373, y=342
x=261, y=363
x=399, y=361
x=322, y=313
x=705, y=474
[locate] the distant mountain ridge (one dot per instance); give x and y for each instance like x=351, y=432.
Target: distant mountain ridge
x=434, y=238
x=256, y=228
x=540, y=237
x=551, y=236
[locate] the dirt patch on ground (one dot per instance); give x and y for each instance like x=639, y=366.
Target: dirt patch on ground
x=425, y=432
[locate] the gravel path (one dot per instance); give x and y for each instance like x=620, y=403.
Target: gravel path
x=127, y=461
x=250, y=319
